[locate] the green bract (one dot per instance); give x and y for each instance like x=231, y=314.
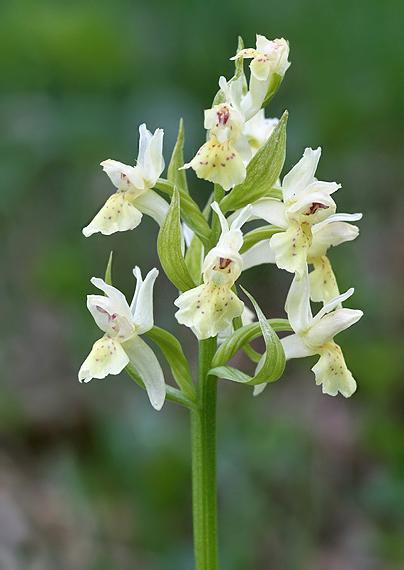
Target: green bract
x=172, y=350
x=273, y=363
x=175, y=173
x=262, y=171
x=170, y=246
x=190, y=212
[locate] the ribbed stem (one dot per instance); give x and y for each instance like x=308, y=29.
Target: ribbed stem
x=203, y=423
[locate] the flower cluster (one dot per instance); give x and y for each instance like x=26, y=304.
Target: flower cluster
x=205, y=256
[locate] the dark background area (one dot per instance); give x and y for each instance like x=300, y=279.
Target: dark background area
x=91, y=477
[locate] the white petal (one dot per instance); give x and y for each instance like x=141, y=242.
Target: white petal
x=150, y=158
x=142, y=305
x=332, y=373
x=302, y=174
x=324, y=330
x=145, y=137
x=243, y=216
x=340, y=217
x=122, y=175
x=270, y=210
x=327, y=234
x=297, y=304
x=117, y=215
x=333, y=304
x=223, y=222
x=153, y=205
x=106, y=357
x=147, y=366
x=258, y=254
x=294, y=347
x=118, y=300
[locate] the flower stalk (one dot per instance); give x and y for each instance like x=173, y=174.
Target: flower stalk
x=203, y=441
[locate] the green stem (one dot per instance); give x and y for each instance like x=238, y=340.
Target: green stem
x=203, y=423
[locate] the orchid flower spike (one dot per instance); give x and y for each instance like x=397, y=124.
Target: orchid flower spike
x=210, y=308
x=134, y=196
x=121, y=343
x=315, y=335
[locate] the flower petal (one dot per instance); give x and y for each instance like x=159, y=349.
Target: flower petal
x=258, y=254
x=122, y=175
x=297, y=304
x=332, y=372
x=327, y=234
x=323, y=284
x=208, y=309
x=220, y=163
x=118, y=302
x=323, y=331
x=333, y=304
x=106, y=357
x=302, y=174
x=117, y=215
x=270, y=210
x=153, y=205
x=142, y=304
x=291, y=247
x=294, y=347
x=148, y=367
x=261, y=67
x=150, y=157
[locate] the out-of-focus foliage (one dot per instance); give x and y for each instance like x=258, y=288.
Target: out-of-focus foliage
x=91, y=477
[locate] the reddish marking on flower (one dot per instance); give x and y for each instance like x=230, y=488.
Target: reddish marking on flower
x=223, y=116
x=103, y=311
x=224, y=262
x=316, y=206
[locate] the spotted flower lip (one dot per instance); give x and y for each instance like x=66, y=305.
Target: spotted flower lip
x=121, y=344
x=134, y=196
x=210, y=308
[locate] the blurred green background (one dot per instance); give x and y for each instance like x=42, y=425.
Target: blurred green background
x=90, y=476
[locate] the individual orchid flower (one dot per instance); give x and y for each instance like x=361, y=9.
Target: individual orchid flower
x=121, y=343
x=209, y=308
x=134, y=196
x=306, y=201
x=315, y=336
x=332, y=231
x=222, y=159
x=268, y=66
